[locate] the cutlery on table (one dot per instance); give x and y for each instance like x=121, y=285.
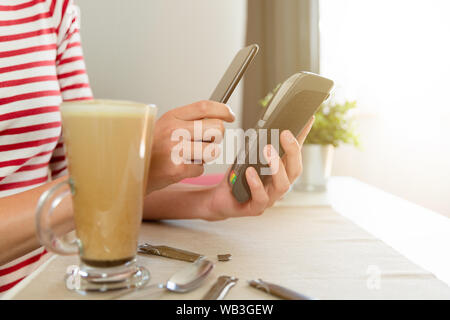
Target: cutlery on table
x=220, y=289
x=278, y=291
x=184, y=280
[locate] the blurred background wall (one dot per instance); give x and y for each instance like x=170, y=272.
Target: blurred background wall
x=398, y=71
x=166, y=52
x=173, y=52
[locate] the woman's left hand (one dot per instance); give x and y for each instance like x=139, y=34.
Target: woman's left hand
x=285, y=171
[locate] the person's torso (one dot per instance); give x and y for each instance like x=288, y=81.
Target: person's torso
x=30, y=121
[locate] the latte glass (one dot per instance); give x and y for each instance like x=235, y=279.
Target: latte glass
x=108, y=146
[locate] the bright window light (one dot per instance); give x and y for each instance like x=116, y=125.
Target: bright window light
x=391, y=56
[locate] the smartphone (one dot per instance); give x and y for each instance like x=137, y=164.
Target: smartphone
x=290, y=108
x=234, y=74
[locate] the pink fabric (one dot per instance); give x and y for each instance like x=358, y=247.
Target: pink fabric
x=206, y=180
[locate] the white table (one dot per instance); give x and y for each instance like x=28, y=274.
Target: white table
x=353, y=242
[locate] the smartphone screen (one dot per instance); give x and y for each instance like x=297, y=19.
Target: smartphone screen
x=234, y=73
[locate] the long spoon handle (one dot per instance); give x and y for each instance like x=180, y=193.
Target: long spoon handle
x=220, y=289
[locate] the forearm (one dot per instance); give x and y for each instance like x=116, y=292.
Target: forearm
x=18, y=227
x=178, y=201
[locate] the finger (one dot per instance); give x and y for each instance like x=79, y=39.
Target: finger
x=205, y=130
x=302, y=136
x=200, y=152
x=280, y=181
x=292, y=158
x=260, y=198
x=204, y=109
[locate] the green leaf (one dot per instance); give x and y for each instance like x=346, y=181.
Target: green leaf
x=334, y=123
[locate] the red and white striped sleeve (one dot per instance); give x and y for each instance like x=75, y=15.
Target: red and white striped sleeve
x=71, y=72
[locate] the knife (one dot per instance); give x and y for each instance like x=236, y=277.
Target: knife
x=220, y=289
x=168, y=252
x=278, y=291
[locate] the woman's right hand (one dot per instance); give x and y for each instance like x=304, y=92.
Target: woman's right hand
x=163, y=169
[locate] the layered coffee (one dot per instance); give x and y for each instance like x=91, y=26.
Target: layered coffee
x=108, y=147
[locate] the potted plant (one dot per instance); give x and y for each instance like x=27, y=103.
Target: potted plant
x=333, y=126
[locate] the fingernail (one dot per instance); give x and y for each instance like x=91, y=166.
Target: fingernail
x=231, y=110
x=289, y=136
x=252, y=175
x=270, y=152
x=267, y=151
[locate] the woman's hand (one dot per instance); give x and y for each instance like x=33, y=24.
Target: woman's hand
x=163, y=170
x=222, y=203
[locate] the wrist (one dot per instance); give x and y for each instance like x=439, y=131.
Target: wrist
x=209, y=210
x=214, y=209
x=179, y=201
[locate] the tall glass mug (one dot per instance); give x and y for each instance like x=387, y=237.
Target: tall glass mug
x=108, y=145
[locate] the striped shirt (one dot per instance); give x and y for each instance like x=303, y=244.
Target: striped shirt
x=41, y=64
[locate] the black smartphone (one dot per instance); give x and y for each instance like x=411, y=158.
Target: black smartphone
x=290, y=108
x=234, y=73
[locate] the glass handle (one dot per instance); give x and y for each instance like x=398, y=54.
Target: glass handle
x=44, y=212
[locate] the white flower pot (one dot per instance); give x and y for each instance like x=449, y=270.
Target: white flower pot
x=317, y=162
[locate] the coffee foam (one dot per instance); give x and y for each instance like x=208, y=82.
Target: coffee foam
x=107, y=107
